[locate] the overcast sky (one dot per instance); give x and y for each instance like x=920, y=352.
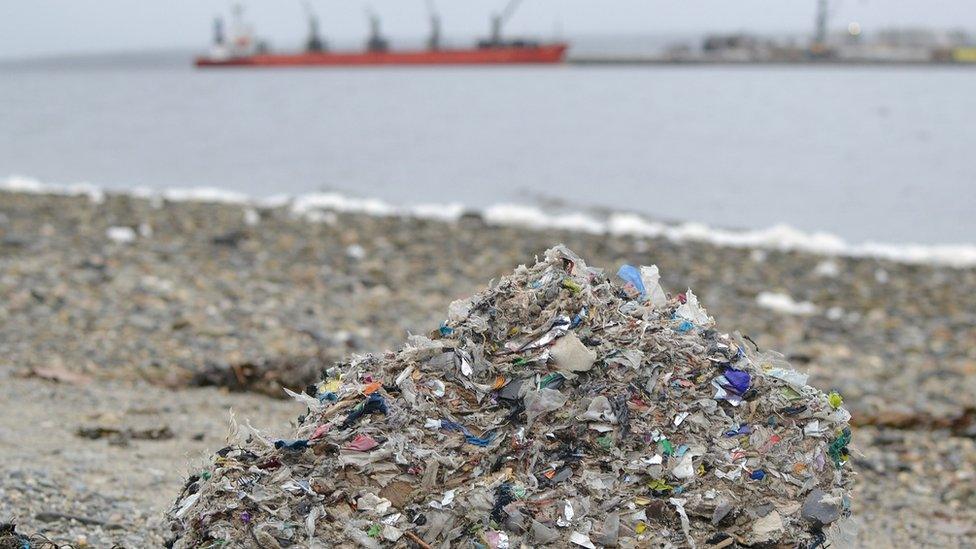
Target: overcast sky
x=42, y=27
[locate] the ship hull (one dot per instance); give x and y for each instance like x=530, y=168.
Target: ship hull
x=553, y=53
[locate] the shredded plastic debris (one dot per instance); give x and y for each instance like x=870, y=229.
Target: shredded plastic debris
x=561, y=407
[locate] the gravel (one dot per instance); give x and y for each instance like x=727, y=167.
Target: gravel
x=130, y=326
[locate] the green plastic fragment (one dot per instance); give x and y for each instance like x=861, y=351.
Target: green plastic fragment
x=520, y=361
x=549, y=379
x=838, y=447
x=605, y=442
x=790, y=394
x=373, y=531
x=666, y=446
x=205, y=475
x=835, y=399
x=658, y=485
x=572, y=286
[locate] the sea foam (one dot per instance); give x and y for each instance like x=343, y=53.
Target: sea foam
x=312, y=205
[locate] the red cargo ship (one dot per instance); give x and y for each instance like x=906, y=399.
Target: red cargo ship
x=243, y=51
x=549, y=53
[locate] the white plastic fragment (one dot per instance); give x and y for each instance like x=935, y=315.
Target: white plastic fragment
x=458, y=310
x=120, y=235
x=355, y=251
x=679, y=417
x=691, y=311
x=797, y=380
x=437, y=387
x=827, y=268
x=313, y=516
x=782, y=303
x=768, y=524
x=374, y=503
x=679, y=506
x=311, y=402
x=566, y=518
x=446, y=500
x=599, y=410
x=685, y=467
x=651, y=279
x=582, y=540
x=403, y=375
x=187, y=503
x=466, y=367
x=542, y=401
x=361, y=537
x=559, y=328
x=251, y=217
x=391, y=533
x=571, y=356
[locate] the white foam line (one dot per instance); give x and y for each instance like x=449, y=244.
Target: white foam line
x=311, y=205
x=21, y=184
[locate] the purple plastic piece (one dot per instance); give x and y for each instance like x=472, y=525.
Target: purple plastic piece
x=738, y=380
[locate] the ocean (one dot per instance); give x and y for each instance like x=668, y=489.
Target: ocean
x=869, y=154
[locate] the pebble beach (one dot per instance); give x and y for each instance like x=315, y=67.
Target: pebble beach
x=130, y=328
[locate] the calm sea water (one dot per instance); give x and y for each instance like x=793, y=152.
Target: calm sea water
x=881, y=154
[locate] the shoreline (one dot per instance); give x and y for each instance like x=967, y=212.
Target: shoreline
x=781, y=237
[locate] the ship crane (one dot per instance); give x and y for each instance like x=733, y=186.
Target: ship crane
x=314, y=42
x=499, y=19
x=376, y=40
x=819, y=46
x=218, y=31
x=434, y=40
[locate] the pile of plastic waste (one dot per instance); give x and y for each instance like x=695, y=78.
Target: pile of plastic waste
x=563, y=407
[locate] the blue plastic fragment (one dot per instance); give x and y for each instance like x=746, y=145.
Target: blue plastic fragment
x=446, y=330
x=295, y=445
x=739, y=380
x=742, y=430
x=578, y=319
x=758, y=474
x=685, y=326
x=632, y=275
x=375, y=403
x=471, y=439
x=328, y=396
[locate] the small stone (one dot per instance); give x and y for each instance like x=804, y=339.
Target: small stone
x=819, y=508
